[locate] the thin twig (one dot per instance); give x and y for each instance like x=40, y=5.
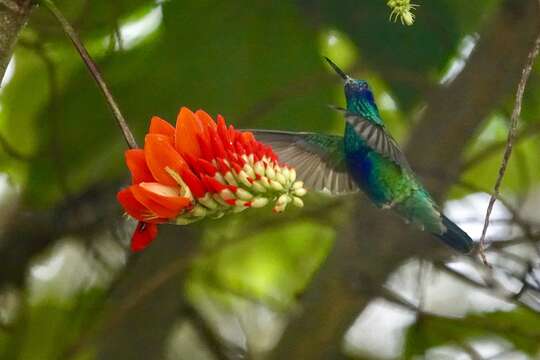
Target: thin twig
x=396, y=298
x=92, y=67
x=511, y=135
x=471, y=351
x=488, y=286
x=524, y=225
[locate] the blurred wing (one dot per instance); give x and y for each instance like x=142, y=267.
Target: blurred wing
x=318, y=159
x=378, y=139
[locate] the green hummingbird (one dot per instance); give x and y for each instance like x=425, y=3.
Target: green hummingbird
x=367, y=158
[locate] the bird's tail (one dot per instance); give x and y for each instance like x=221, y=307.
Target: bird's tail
x=455, y=237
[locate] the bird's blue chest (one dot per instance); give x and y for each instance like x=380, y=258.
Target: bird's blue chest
x=366, y=167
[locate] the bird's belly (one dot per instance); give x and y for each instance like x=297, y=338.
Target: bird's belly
x=381, y=179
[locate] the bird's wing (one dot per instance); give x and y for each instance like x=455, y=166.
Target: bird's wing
x=378, y=139
x=319, y=160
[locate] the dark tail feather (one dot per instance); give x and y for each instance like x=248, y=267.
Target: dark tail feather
x=455, y=237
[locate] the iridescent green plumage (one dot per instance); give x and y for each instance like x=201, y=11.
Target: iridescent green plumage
x=367, y=157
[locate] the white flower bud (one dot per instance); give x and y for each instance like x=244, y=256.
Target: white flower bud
x=249, y=170
x=286, y=172
x=219, y=177
x=229, y=177
x=227, y=194
x=258, y=187
x=279, y=207
x=283, y=199
x=281, y=179
x=264, y=181
x=198, y=211
x=270, y=173
x=259, y=202
x=259, y=168
x=243, y=194
x=243, y=177
x=297, y=202
x=208, y=201
x=276, y=186
x=292, y=175
x=298, y=185
x=220, y=200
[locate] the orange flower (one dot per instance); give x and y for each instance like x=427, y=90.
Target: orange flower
x=201, y=168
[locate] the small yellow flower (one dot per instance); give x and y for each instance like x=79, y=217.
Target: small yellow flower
x=402, y=9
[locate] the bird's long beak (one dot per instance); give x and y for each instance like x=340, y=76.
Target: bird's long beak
x=338, y=70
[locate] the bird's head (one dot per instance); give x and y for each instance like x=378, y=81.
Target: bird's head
x=357, y=92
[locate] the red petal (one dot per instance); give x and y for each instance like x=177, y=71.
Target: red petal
x=136, y=163
x=188, y=126
x=162, y=200
x=247, y=140
x=207, y=167
x=217, y=144
x=161, y=154
x=247, y=136
x=236, y=166
x=194, y=183
x=239, y=148
x=144, y=234
x=224, y=133
x=232, y=133
x=160, y=126
x=213, y=184
x=206, y=149
x=131, y=205
x=206, y=120
x=232, y=157
x=192, y=162
x=223, y=168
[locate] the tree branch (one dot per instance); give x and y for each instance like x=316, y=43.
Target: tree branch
x=13, y=16
x=510, y=142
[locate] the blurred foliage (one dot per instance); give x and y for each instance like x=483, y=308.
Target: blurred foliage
x=519, y=327
x=47, y=329
x=259, y=267
x=260, y=64
x=236, y=72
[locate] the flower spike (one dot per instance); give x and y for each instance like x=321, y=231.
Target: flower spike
x=201, y=169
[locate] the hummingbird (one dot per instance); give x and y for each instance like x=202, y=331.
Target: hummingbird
x=365, y=158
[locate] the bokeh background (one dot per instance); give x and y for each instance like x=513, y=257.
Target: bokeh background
x=338, y=279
